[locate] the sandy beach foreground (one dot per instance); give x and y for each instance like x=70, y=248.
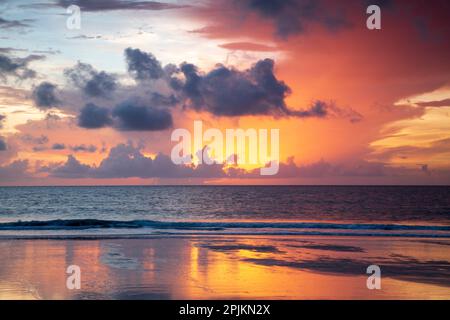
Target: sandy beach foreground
x=225, y=267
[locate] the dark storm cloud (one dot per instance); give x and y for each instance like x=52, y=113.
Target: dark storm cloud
x=17, y=67
x=58, y=146
x=128, y=161
x=107, y=5
x=229, y=92
x=134, y=116
x=171, y=71
x=322, y=168
x=44, y=96
x=143, y=65
x=292, y=17
x=2, y=144
x=100, y=85
x=94, y=117
x=2, y=117
x=126, y=116
x=14, y=171
x=124, y=161
x=223, y=91
x=158, y=99
x=322, y=109
x=90, y=81
x=72, y=169
x=317, y=109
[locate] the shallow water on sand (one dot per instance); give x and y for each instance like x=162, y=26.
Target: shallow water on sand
x=226, y=267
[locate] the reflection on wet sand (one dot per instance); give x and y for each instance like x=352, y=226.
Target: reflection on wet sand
x=225, y=267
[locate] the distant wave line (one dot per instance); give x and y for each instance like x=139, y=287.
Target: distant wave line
x=81, y=224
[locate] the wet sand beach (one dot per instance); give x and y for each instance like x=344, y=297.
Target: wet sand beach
x=225, y=267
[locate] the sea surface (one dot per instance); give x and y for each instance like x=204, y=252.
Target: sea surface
x=131, y=211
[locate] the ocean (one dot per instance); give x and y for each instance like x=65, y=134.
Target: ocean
x=132, y=211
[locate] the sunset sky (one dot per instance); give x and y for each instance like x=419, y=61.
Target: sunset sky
x=97, y=105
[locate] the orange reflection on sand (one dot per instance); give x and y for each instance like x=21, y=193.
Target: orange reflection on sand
x=228, y=274
x=223, y=267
